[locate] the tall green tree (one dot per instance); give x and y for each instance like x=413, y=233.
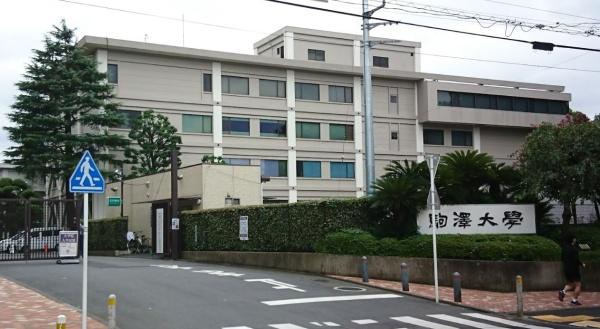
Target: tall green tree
x=61, y=90
x=155, y=138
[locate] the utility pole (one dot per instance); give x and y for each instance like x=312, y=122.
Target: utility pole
x=174, y=206
x=369, y=143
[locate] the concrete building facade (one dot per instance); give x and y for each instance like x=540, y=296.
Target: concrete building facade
x=295, y=108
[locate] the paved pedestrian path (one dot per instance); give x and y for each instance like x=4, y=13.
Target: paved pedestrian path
x=487, y=300
x=23, y=308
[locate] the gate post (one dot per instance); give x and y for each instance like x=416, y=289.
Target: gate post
x=27, y=245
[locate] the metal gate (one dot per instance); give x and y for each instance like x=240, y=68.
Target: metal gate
x=29, y=227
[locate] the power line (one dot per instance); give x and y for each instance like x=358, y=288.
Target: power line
x=545, y=45
x=542, y=10
x=177, y=19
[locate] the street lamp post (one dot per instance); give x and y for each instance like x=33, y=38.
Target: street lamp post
x=119, y=174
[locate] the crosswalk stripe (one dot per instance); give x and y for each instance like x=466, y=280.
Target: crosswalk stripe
x=421, y=323
x=364, y=321
x=465, y=322
x=316, y=324
x=503, y=321
x=242, y=327
x=285, y=326
x=331, y=324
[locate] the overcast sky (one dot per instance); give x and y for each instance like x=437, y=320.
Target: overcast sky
x=24, y=22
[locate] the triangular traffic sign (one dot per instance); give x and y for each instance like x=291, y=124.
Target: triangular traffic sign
x=86, y=178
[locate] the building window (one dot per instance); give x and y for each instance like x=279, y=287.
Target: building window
x=308, y=130
x=393, y=99
x=128, y=118
x=394, y=135
x=273, y=168
x=236, y=126
x=280, y=52
x=271, y=88
x=207, y=81
x=308, y=169
x=540, y=106
x=237, y=162
x=316, y=55
x=272, y=128
x=466, y=100
x=433, y=136
x=484, y=102
x=462, y=138
x=381, y=61
x=342, y=170
x=557, y=107
x=112, y=73
x=230, y=202
x=196, y=123
x=340, y=94
x=444, y=98
x=341, y=132
x=234, y=85
x=503, y=103
x=308, y=91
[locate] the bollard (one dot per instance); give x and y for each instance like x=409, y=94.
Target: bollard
x=519, y=296
x=61, y=322
x=456, y=279
x=111, y=304
x=404, y=275
x=365, y=269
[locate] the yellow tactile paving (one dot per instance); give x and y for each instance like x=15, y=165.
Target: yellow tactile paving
x=563, y=319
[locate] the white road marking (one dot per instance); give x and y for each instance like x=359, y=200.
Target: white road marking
x=277, y=284
x=469, y=323
x=242, y=327
x=285, y=326
x=503, y=321
x=328, y=299
x=364, y=321
x=316, y=324
x=422, y=323
x=219, y=273
x=173, y=267
x=331, y=324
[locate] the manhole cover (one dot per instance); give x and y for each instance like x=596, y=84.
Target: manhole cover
x=349, y=288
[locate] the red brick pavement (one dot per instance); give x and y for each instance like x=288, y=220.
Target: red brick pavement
x=488, y=300
x=22, y=308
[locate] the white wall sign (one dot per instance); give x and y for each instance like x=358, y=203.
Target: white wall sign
x=175, y=223
x=68, y=243
x=480, y=219
x=160, y=216
x=243, y=228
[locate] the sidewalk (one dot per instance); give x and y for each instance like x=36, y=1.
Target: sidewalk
x=22, y=308
x=498, y=302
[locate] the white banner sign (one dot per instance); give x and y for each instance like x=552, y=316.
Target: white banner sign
x=243, y=228
x=160, y=215
x=68, y=243
x=480, y=219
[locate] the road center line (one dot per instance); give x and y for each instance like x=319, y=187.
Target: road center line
x=328, y=299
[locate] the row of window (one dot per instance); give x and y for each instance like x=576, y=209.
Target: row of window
x=503, y=103
x=276, y=88
x=436, y=137
x=319, y=55
x=310, y=169
x=192, y=123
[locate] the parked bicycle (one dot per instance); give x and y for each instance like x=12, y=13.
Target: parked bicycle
x=137, y=243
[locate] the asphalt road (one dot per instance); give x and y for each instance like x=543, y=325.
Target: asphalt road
x=175, y=294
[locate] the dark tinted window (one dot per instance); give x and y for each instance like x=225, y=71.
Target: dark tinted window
x=466, y=100
x=273, y=168
x=342, y=169
x=340, y=94
x=236, y=126
x=504, y=103
x=433, y=136
x=272, y=128
x=444, y=98
x=540, y=106
x=308, y=130
x=380, y=61
x=308, y=169
x=462, y=138
x=341, y=132
x=234, y=85
x=316, y=55
x=309, y=91
x=483, y=101
x=207, y=81
x=112, y=73
x=128, y=118
x=271, y=88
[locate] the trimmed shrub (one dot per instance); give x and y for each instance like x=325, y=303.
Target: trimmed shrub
x=277, y=227
x=108, y=234
x=349, y=241
x=585, y=233
x=472, y=247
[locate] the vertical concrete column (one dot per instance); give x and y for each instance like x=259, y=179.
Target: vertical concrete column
x=476, y=138
x=288, y=45
x=356, y=53
x=359, y=164
x=417, y=57
x=418, y=128
x=217, y=110
x=291, y=134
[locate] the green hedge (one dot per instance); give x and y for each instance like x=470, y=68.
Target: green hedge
x=586, y=233
x=474, y=247
x=108, y=234
x=277, y=227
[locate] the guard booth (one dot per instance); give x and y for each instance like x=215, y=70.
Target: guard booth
x=161, y=223
x=29, y=228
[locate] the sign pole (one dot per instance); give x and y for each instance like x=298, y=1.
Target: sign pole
x=85, y=262
x=434, y=222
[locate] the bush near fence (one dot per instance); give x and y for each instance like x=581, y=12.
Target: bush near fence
x=108, y=234
x=277, y=227
x=470, y=247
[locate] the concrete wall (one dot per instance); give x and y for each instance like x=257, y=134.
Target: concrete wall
x=488, y=275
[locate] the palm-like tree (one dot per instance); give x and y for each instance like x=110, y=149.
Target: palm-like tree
x=464, y=177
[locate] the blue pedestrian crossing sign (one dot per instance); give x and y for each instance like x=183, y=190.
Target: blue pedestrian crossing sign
x=86, y=177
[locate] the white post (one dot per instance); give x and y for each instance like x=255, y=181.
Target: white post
x=85, y=262
x=433, y=225
x=111, y=304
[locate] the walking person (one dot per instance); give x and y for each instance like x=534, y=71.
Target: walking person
x=571, y=267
